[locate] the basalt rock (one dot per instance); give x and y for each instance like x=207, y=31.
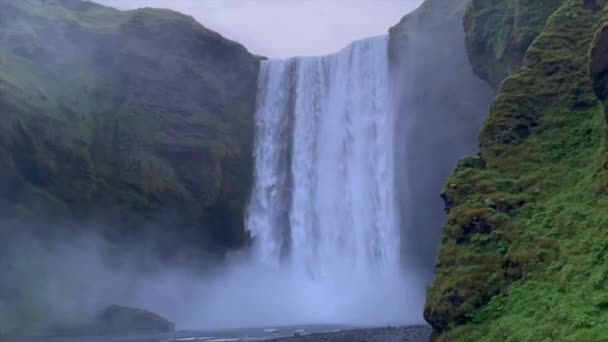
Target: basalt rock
x=119, y=320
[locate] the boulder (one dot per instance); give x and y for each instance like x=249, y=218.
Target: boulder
x=120, y=320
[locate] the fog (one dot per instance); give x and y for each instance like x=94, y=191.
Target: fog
x=442, y=106
x=285, y=28
x=59, y=282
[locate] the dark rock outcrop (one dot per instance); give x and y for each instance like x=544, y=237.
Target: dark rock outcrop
x=119, y=320
x=598, y=63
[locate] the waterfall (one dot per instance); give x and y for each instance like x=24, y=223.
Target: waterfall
x=324, y=197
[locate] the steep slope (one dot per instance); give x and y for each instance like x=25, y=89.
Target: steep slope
x=523, y=250
x=134, y=117
x=499, y=32
x=442, y=105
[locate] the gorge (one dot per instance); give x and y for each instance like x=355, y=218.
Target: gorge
x=336, y=211
x=453, y=172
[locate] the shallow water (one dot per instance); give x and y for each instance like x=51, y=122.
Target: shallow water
x=246, y=334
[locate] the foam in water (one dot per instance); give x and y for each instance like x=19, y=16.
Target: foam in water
x=323, y=206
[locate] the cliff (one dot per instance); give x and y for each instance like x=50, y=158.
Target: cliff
x=523, y=251
x=498, y=34
x=442, y=105
x=134, y=117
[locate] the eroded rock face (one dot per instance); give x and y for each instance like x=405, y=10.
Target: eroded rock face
x=120, y=320
x=442, y=105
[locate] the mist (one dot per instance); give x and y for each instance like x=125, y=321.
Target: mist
x=286, y=28
x=66, y=280
x=61, y=282
x=442, y=106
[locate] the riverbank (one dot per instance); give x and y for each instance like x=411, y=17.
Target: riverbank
x=403, y=334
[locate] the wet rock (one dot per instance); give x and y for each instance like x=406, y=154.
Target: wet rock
x=120, y=320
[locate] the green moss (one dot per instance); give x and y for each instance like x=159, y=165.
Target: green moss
x=543, y=147
x=101, y=103
x=498, y=33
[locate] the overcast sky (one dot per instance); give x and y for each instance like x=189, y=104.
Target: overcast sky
x=285, y=28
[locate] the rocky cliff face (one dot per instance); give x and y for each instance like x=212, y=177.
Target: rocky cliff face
x=523, y=249
x=442, y=105
x=137, y=117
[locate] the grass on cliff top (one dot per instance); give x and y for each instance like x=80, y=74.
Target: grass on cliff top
x=538, y=273
x=96, y=17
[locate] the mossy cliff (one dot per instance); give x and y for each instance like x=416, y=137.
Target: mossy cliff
x=137, y=117
x=524, y=248
x=499, y=32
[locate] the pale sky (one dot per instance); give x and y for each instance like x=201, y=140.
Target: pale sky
x=286, y=28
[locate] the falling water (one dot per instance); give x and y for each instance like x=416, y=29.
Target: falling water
x=323, y=203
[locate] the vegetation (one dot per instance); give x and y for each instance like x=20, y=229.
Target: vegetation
x=132, y=116
x=524, y=247
x=499, y=32
x=136, y=126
